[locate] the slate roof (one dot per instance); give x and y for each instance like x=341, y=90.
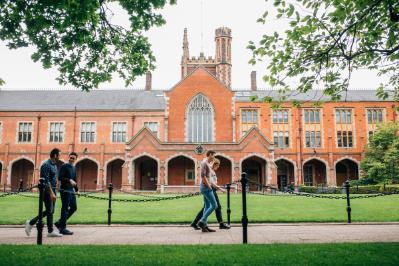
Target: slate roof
x=67, y=100
x=359, y=95
x=135, y=100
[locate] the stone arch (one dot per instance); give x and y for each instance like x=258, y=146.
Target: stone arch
x=113, y=172
x=313, y=172
x=145, y=172
x=187, y=168
x=224, y=174
x=286, y=170
x=87, y=171
x=344, y=171
x=21, y=169
x=257, y=171
x=132, y=168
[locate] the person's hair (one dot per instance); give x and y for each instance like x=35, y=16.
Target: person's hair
x=54, y=152
x=216, y=161
x=74, y=154
x=210, y=152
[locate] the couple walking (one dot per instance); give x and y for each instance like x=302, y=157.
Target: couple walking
x=68, y=189
x=209, y=189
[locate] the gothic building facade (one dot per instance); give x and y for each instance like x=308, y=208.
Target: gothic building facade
x=155, y=139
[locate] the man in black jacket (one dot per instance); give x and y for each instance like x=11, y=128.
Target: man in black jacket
x=67, y=176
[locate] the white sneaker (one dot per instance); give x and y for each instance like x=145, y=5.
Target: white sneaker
x=54, y=234
x=28, y=227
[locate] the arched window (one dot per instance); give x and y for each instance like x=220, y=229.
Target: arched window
x=199, y=120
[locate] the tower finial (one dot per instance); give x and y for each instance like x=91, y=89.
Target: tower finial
x=186, y=54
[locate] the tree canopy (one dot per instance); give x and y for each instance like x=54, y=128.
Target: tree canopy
x=326, y=41
x=381, y=162
x=79, y=38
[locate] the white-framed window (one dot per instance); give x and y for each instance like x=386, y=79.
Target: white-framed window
x=25, y=130
x=313, y=139
x=344, y=124
x=280, y=116
x=249, y=118
x=119, y=132
x=345, y=139
x=153, y=126
x=375, y=116
x=56, y=132
x=88, y=132
x=343, y=116
x=200, y=120
x=190, y=175
x=281, y=139
x=312, y=116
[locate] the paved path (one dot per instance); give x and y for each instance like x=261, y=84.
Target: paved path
x=182, y=234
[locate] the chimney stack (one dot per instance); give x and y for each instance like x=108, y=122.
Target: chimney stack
x=254, y=87
x=148, y=81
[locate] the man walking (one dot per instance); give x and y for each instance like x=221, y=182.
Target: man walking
x=215, y=188
x=48, y=171
x=68, y=187
x=210, y=203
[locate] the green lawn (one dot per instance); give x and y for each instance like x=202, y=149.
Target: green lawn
x=276, y=254
x=16, y=209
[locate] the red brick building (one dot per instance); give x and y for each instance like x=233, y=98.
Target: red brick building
x=155, y=139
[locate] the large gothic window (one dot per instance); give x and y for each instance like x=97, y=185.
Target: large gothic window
x=200, y=120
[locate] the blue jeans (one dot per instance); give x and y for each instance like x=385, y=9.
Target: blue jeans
x=210, y=203
x=68, y=208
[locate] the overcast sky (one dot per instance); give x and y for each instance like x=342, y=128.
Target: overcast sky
x=19, y=71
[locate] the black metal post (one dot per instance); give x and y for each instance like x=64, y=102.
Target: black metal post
x=244, y=220
x=110, y=188
x=348, y=203
x=228, y=187
x=39, y=226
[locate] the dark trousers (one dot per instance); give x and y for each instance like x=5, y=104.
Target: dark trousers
x=69, y=206
x=49, y=212
x=218, y=211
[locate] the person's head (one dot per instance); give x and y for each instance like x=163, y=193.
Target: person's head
x=216, y=164
x=73, y=156
x=55, y=154
x=210, y=155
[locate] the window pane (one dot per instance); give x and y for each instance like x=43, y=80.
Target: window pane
x=317, y=114
x=348, y=117
x=338, y=117
x=311, y=116
x=306, y=116
x=380, y=119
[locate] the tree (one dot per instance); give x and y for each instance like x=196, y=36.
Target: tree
x=79, y=39
x=327, y=40
x=381, y=162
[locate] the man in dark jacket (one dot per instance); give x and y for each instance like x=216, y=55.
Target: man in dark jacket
x=68, y=189
x=48, y=171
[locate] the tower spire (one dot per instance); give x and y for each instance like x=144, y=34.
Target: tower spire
x=186, y=54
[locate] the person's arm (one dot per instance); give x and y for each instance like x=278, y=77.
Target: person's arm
x=45, y=173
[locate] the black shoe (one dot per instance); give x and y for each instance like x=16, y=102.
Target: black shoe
x=224, y=226
x=66, y=232
x=195, y=226
x=209, y=229
x=201, y=225
x=57, y=224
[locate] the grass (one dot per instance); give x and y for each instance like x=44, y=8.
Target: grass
x=276, y=254
x=286, y=209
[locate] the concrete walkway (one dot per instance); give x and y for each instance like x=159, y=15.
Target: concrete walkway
x=182, y=234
